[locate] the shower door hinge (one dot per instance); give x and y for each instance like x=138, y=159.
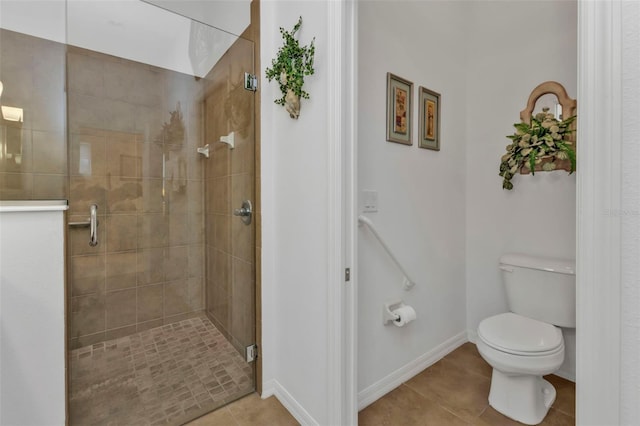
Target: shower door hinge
x=250, y=82
x=251, y=353
x=347, y=274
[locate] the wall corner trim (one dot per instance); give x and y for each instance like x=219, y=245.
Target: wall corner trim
x=598, y=246
x=341, y=308
x=274, y=388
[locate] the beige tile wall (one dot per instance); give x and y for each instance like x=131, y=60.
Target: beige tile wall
x=33, y=159
x=146, y=178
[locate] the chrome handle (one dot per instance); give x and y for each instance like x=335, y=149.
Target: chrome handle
x=93, y=225
x=85, y=224
x=244, y=212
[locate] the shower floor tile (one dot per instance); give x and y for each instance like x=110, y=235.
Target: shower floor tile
x=166, y=375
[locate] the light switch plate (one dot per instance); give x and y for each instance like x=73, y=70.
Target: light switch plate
x=370, y=199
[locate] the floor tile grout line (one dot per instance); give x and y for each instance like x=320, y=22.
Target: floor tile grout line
x=237, y=422
x=467, y=370
x=436, y=402
x=439, y=402
x=155, y=341
x=457, y=415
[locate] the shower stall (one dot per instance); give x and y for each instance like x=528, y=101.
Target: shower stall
x=110, y=104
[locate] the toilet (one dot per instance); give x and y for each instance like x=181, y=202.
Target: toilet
x=526, y=343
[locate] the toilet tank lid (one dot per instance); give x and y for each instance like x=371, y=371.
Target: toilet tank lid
x=561, y=266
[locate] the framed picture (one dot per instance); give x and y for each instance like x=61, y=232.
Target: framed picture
x=399, y=107
x=429, y=134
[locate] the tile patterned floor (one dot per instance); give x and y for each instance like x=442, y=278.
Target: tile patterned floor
x=167, y=375
x=454, y=391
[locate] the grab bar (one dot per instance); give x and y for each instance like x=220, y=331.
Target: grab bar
x=407, y=282
x=91, y=223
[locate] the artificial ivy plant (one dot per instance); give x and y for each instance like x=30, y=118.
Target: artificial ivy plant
x=546, y=138
x=292, y=63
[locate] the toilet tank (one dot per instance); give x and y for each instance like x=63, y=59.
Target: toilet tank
x=540, y=288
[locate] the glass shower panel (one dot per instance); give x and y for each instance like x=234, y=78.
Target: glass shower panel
x=230, y=181
x=33, y=159
x=140, y=84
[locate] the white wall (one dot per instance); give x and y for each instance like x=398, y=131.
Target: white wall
x=508, y=57
x=295, y=222
x=421, y=192
x=32, y=312
x=445, y=213
x=630, y=217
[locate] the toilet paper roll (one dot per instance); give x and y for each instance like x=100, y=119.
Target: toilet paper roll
x=406, y=314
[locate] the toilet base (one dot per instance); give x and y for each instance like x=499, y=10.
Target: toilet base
x=525, y=398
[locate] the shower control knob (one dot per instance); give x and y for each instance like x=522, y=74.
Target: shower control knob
x=244, y=212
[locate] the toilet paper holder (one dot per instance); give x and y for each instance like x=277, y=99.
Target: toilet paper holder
x=387, y=311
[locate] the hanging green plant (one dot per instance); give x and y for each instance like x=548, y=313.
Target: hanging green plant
x=546, y=138
x=292, y=63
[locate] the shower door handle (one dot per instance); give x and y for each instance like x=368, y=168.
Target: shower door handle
x=244, y=212
x=91, y=223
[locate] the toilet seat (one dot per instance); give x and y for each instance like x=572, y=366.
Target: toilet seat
x=514, y=334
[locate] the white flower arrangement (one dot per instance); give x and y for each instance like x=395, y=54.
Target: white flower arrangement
x=545, y=138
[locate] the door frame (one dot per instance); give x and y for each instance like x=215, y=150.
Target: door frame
x=342, y=306
x=599, y=201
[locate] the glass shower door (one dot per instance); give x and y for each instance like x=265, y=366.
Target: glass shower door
x=143, y=98
x=230, y=201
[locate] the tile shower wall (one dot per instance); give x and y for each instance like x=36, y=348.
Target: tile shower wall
x=133, y=133
x=33, y=159
x=230, y=179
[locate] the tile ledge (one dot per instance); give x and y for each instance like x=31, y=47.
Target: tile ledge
x=33, y=205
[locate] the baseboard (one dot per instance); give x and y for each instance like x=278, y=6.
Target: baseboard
x=274, y=388
x=401, y=375
x=472, y=336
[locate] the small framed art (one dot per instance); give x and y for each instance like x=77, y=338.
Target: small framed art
x=399, y=107
x=429, y=134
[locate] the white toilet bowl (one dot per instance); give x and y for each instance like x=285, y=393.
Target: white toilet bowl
x=521, y=350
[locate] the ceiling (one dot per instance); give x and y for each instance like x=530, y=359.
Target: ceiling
x=163, y=36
